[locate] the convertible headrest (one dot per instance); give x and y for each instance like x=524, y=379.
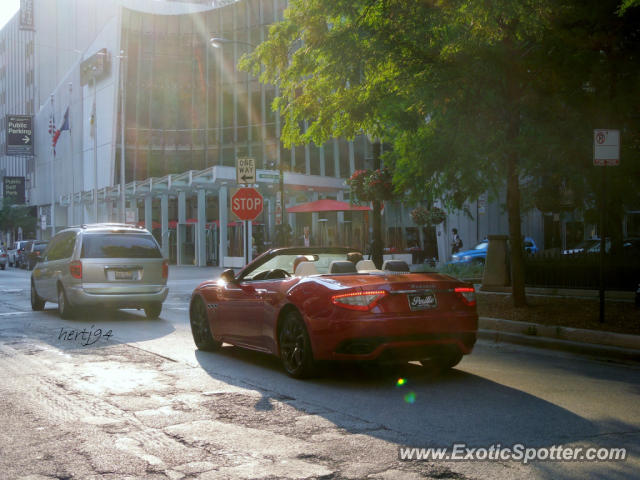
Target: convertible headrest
x=365, y=265
x=305, y=269
x=395, y=266
x=342, y=266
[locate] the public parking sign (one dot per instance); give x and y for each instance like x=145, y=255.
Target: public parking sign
x=19, y=135
x=246, y=203
x=606, y=148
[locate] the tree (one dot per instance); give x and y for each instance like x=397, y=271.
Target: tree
x=473, y=95
x=13, y=216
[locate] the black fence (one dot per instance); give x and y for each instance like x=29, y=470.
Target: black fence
x=621, y=272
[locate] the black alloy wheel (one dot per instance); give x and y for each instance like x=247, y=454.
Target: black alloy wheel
x=200, y=330
x=295, y=347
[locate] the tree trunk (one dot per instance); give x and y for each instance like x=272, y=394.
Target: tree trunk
x=376, y=247
x=515, y=234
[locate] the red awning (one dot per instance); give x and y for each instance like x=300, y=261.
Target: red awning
x=326, y=205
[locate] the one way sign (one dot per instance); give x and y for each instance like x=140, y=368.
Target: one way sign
x=246, y=170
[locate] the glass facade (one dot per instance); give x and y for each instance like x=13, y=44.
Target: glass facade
x=187, y=105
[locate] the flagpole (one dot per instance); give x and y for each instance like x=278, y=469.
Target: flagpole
x=95, y=151
x=72, y=220
x=53, y=156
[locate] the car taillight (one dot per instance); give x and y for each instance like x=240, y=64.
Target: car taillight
x=3, y=255
x=165, y=269
x=75, y=268
x=364, y=300
x=467, y=294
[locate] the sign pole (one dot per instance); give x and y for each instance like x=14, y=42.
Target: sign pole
x=603, y=233
x=53, y=171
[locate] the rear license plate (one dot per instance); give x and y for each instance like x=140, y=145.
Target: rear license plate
x=422, y=301
x=126, y=275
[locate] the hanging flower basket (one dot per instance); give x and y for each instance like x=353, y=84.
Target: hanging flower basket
x=369, y=185
x=425, y=216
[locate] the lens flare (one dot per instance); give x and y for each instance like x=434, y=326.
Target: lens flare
x=400, y=382
x=410, y=397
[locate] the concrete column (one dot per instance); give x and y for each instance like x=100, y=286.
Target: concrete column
x=201, y=244
x=70, y=214
x=352, y=159
x=323, y=169
x=336, y=159
x=314, y=219
x=164, y=223
x=496, y=271
x=148, y=212
x=181, y=229
x=249, y=245
x=223, y=213
x=340, y=215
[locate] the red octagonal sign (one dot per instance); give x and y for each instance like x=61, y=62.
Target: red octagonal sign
x=246, y=203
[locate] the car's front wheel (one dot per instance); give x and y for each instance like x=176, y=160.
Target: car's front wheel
x=295, y=347
x=37, y=303
x=65, y=310
x=200, y=329
x=153, y=310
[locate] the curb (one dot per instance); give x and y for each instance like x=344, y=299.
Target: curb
x=573, y=340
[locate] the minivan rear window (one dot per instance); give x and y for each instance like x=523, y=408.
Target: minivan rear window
x=119, y=245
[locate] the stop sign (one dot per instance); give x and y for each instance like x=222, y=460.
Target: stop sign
x=246, y=203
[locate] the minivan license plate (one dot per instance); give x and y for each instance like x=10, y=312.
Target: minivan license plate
x=422, y=301
x=126, y=275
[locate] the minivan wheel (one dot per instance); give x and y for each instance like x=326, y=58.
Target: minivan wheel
x=37, y=303
x=153, y=310
x=64, y=308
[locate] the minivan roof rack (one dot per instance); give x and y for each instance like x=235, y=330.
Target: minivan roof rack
x=111, y=224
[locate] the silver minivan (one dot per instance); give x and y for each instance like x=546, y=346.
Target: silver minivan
x=105, y=264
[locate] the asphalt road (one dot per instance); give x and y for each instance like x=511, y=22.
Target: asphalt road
x=143, y=403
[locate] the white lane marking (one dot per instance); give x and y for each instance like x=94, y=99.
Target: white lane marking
x=5, y=314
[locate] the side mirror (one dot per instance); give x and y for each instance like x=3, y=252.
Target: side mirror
x=228, y=276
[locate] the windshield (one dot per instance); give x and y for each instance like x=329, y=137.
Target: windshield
x=481, y=246
x=120, y=245
x=321, y=261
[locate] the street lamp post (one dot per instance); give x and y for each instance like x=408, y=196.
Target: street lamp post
x=94, y=118
x=218, y=42
x=123, y=216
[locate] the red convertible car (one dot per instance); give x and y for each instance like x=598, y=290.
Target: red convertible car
x=328, y=308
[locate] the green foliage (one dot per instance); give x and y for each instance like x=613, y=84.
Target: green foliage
x=14, y=216
x=370, y=185
x=463, y=270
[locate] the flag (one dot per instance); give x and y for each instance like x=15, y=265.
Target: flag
x=65, y=126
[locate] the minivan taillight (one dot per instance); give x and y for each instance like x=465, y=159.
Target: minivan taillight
x=75, y=268
x=467, y=294
x=165, y=269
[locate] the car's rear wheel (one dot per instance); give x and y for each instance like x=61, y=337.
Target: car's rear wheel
x=200, y=327
x=3, y=266
x=153, y=310
x=445, y=360
x=295, y=347
x=37, y=303
x=65, y=310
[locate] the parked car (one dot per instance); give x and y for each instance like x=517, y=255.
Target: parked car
x=582, y=247
x=21, y=258
x=15, y=251
x=33, y=254
x=478, y=254
x=4, y=258
x=101, y=265
x=326, y=308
